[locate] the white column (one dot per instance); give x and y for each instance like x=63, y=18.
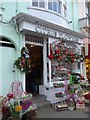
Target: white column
x=49, y=40
x=49, y=68
x=44, y=62
x=23, y=74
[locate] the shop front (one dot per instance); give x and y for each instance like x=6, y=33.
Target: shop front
x=54, y=51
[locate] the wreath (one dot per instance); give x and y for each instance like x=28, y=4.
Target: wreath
x=23, y=62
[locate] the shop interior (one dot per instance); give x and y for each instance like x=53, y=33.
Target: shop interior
x=35, y=75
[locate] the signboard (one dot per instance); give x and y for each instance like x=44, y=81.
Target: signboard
x=57, y=34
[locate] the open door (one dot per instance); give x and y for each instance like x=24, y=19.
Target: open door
x=34, y=77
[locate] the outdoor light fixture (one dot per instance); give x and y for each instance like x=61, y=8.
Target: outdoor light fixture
x=69, y=22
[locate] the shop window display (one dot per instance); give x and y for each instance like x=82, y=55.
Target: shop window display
x=67, y=83
x=63, y=58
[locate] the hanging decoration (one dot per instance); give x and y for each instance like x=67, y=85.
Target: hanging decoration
x=23, y=62
x=51, y=56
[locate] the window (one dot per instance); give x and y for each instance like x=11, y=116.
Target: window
x=59, y=6
x=50, y=5
x=35, y=3
x=54, y=5
x=41, y=3
x=38, y=3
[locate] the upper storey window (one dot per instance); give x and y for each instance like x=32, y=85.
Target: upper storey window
x=54, y=5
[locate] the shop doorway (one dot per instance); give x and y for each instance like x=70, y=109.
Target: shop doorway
x=34, y=77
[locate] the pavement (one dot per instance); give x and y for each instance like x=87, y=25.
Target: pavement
x=48, y=111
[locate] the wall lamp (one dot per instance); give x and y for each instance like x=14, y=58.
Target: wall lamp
x=69, y=22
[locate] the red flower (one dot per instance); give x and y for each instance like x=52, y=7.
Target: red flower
x=72, y=60
x=59, y=58
x=57, y=51
x=71, y=54
x=10, y=96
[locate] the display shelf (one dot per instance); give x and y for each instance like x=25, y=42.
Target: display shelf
x=51, y=95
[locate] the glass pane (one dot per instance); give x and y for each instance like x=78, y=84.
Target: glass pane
x=35, y=3
x=50, y=5
x=59, y=7
x=42, y=4
x=55, y=6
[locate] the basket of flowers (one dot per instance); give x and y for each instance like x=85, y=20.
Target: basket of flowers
x=18, y=108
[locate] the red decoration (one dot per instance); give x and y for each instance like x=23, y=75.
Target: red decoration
x=72, y=60
x=10, y=96
x=51, y=56
x=71, y=54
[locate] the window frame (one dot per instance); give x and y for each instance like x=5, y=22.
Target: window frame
x=38, y=3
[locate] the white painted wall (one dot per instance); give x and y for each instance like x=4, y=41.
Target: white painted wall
x=82, y=8
x=49, y=16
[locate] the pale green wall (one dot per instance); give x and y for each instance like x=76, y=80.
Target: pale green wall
x=6, y=54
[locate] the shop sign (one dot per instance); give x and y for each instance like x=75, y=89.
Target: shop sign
x=57, y=34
